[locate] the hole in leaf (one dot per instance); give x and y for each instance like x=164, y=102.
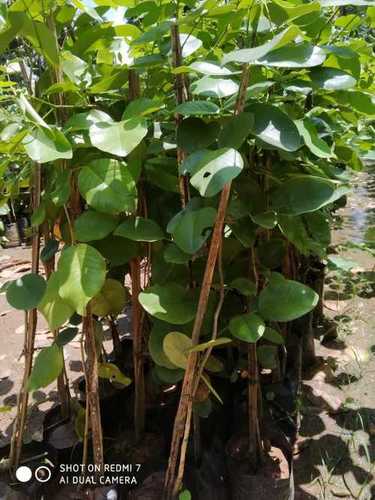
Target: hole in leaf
x=206, y=174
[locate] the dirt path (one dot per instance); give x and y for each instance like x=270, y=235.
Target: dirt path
x=337, y=445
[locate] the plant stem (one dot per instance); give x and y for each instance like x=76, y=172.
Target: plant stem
x=30, y=329
x=183, y=417
x=92, y=389
x=135, y=272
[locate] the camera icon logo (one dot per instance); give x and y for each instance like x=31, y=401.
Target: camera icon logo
x=42, y=474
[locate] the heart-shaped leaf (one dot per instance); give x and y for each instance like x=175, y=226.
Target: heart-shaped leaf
x=305, y=193
x=118, y=138
x=26, y=292
x=44, y=145
x=176, y=347
x=47, y=367
x=110, y=300
x=93, y=225
x=247, y=327
x=55, y=310
x=214, y=87
x=190, y=228
x=108, y=186
x=81, y=270
x=140, y=229
x=285, y=300
x=171, y=303
x=301, y=55
x=274, y=127
x=210, y=170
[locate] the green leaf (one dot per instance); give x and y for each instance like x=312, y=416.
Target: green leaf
x=338, y=262
x=214, y=87
x=194, y=134
x=171, y=303
x=110, y=300
x=359, y=101
x=305, y=193
x=43, y=145
x=210, y=344
x=176, y=347
x=251, y=55
x=94, y=226
x=39, y=215
x=191, y=227
x=268, y=219
x=51, y=248
x=42, y=39
x=312, y=140
x=81, y=271
x=83, y=121
x=184, y=495
x=273, y=336
x=235, y=130
x=66, y=336
x=116, y=250
x=118, y=138
x=210, y=68
x=301, y=55
x=140, y=229
x=167, y=376
x=267, y=356
x=111, y=372
x=332, y=79
x=244, y=286
x=247, y=327
x=174, y=255
x=75, y=68
x=274, y=127
x=210, y=170
x=26, y=292
x=55, y=310
x=155, y=344
x=47, y=367
x=108, y=186
x=189, y=44
x=285, y=300
x=197, y=108
x=142, y=107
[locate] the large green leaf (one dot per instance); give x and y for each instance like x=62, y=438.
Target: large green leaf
x=140, y=229
x=191, y=227
x=305, y=193
x=81, y=271
x=197, y=108
x=235, y=130
x=214, y=87
x=359, y=101
x=247, y=327
x=301, y=55
x=194, y=134
x=210, y=68
x=108, y=186
x=155, y=344
x=26, y=292
x=93, y=225
x=176, y=347
x=44, y=145
x=285, y=300
x=251, y=55
x=55, y=309
x=110, y=300
x=274, y=127
x=47, y=367
x=116, y=250
x=210, y=170
x=312, y=140
x=332, y=79
x=118, y=138
x=171, y=303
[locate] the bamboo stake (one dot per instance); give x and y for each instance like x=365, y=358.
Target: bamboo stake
x=135, y=272
x=92, y=388
x=182, y=421
x=30, y=329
